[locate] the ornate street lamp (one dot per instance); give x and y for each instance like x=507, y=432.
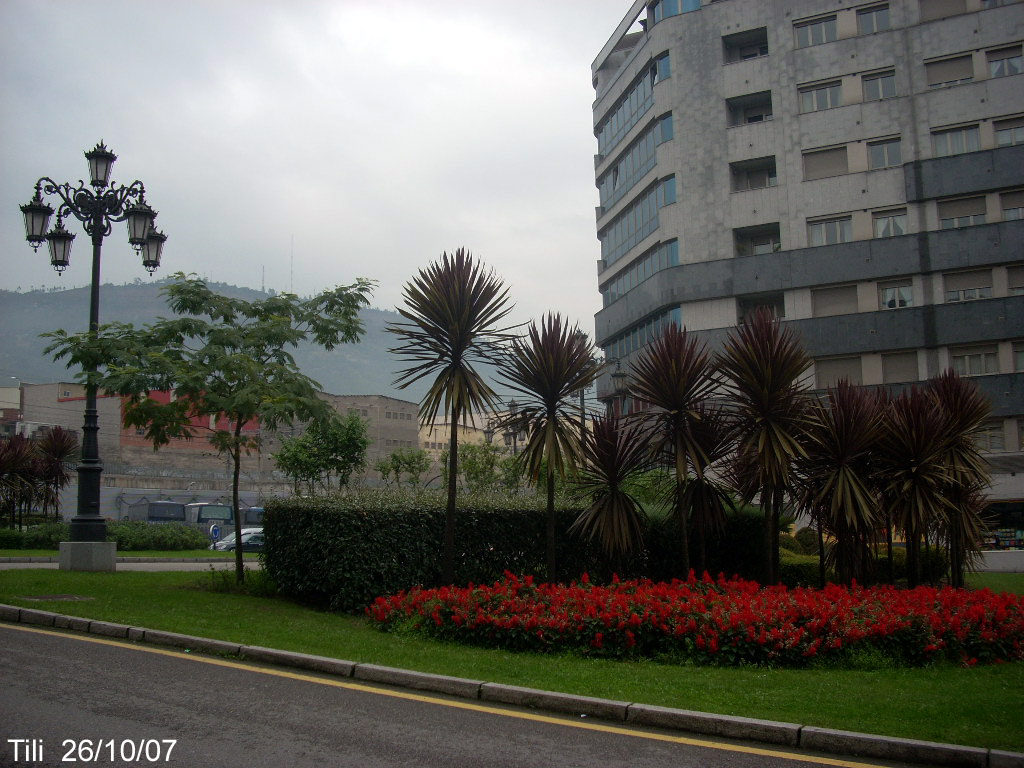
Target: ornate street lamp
x=620, y=387
x=97, y=209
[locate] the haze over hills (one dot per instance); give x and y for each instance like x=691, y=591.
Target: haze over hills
x=366, y=368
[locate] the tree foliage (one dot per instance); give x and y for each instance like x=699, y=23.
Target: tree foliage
x=222, y=357
x=329, y=452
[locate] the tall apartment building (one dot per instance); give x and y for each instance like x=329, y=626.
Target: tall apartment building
x=856, y=166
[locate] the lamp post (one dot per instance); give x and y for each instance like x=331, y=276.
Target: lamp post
x=619, y=389
x=97, y=209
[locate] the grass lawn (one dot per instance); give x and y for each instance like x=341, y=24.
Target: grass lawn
x=134, y=553
x=980, y=706
x=997, y=582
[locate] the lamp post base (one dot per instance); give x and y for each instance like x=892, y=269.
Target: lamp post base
x=88, y=556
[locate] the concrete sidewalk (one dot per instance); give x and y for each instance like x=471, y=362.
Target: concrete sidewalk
x=824, y=740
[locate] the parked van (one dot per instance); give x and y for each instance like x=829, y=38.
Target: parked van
x=202, y=514
x=164, y=512
x=253, y=516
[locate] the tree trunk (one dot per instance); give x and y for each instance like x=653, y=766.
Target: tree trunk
x=890, y=563
x=913, y=564
x=551, y=526
x=448, y=558
x=236, y=458
x=681, y=516
x=821, y=555
x=767, y=538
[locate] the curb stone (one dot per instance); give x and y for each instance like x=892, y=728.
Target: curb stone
x=825, y=740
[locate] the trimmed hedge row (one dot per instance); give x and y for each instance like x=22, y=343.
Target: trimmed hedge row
x=343, y=551
x=129, y=534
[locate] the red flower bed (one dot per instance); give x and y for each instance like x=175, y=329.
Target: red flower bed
x=717, y=622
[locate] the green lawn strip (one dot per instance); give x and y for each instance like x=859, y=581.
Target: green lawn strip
x=191, y=553
x=997, y=582
x=979, y=706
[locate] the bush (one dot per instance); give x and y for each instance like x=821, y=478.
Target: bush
x=46, y=536
x=801, y=570
x=11, y=538
x=342, y=551
x=808, y=538
x=135, y=535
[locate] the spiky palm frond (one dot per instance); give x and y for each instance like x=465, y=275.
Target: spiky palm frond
x=835, y=479
x=452, y=310
x=613, y=454
x=547, y=368
x=673, y=376
x=762, y=362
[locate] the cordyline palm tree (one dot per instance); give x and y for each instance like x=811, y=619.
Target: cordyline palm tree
x=55, y=450
x=673, y=376
x=707, y=495
x=762, y=363
x=913, y=474
x=19, y=484
x=835, y=476
x=966, y=411
x=452, y=312
x=614, y=454
x=548, y=367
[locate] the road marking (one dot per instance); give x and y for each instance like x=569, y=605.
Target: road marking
x=614, y=729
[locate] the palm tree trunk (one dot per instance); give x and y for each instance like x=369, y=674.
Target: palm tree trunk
x=890, y=563
x=821, y=554
x=684, y=532
x=551, y=525
x=448, y=554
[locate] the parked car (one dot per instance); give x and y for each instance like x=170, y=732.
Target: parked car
x=252, y=541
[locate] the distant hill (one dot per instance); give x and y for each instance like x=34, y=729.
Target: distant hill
x=366, y=368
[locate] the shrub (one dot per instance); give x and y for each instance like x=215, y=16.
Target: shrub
x=342, y=551
x=808, y=538
x=11, y=538
x=801, y=570
x=46, y=536
x=135, y=535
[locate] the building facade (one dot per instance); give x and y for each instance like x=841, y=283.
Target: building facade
x=857, y=167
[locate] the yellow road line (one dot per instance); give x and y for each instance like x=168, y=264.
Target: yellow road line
x=397, y=694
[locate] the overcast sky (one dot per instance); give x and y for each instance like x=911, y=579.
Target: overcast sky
x=302, y=144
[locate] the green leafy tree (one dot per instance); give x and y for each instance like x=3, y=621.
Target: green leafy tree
x=409, y=463
x=479, y=465
x=223, y=357
x=452, y=313
x=383, y=467
x=548, y=367
x=330, y=450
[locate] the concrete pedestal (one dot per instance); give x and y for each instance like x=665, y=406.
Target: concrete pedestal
x=88, y=556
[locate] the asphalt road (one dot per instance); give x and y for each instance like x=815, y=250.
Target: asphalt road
x=59, y=687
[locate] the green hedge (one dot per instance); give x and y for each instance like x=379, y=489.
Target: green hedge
x=129, y=535
x=343, y=551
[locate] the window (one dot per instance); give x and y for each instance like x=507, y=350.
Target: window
x=834, y=301
x=967, y=286
x=636, y=222
x=640, y=335
x=1004, y=62
x=743, y=46
x=746, y=305
x=889, y=223
x=633, y=105
x=965, y=212
x=879, y=86
x=635, y=162
x=830, y=231
x=975, y=361
x=827, y=373
x=895, y=295
x=1013, y=205
x=938, y=9
x=665, y=128
x=944, y=72
x=990, y=437
x=874, y=19
x=751, y=108
x=816, y=32
x=1018, y=356
x=753, y=174
x=660, y=257
x=955, y=141
x=757, y=241
x=663, y=68
x=1009, y=133
x=826, y=162
x=818, y=97
x=898, y=367
x=884, y=154
x=1015, y=280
